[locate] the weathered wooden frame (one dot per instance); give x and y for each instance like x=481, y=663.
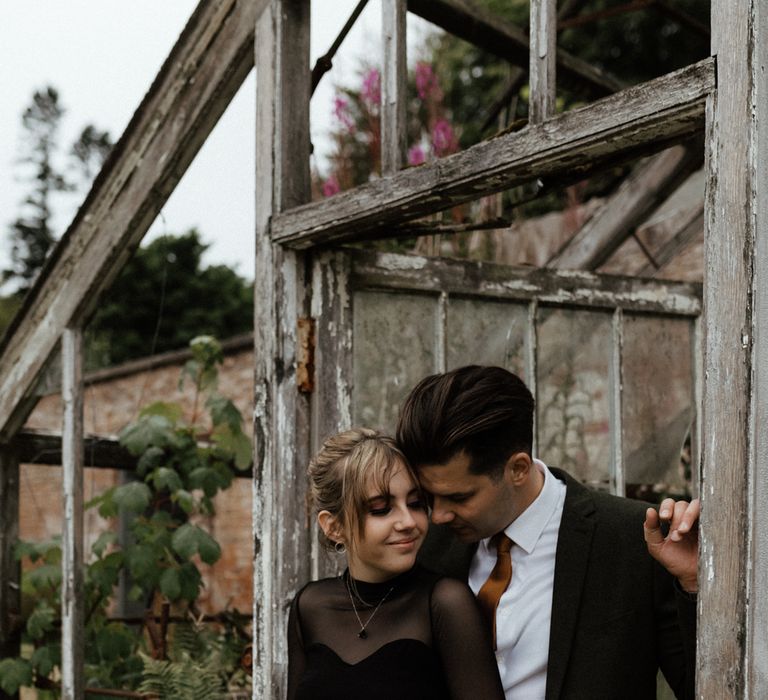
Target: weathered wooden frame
x=444, y=279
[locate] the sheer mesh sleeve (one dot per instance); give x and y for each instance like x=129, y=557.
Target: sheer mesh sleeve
x=463, y=643
x=296, y=657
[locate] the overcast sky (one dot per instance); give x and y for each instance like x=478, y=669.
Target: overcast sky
x=102, y=56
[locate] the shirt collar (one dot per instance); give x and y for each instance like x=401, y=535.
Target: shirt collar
x=526, y=529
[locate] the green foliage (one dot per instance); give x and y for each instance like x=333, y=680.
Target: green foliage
x=164, y=296
x=14, y=674
x=177, y=479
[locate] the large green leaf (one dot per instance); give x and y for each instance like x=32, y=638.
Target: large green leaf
x=172, y=411
x=236, y=443
x=189, y=540
x=166, y=478
x=190, y=580
x=224, y=412
x=152, y=458
x=148, y=431
x=170, y=584
x=41, y=620
x=103, y=541
x=114, y=642
x=42, y=660
x=132, y=497
x=15, y=673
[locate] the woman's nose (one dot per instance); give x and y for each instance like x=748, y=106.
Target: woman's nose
x=406, y=520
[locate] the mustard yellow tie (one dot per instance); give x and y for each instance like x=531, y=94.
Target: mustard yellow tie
x=490, y=594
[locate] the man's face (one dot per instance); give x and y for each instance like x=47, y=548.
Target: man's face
x=475, y=506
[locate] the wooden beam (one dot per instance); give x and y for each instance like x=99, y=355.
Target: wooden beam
x=394, y=86
x=644, y=117
x=193, y=88
x=635, y=200
x=372, y=270
x=281, y=532
x=35, y=447
x=72, y=557
x=732, y=656
x=541, y=103
x=477, y=25
x=10, y=569
x=688, y=232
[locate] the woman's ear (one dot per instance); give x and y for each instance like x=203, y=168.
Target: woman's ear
x=330, y=526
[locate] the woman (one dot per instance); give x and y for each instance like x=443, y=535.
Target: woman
x=386, y=628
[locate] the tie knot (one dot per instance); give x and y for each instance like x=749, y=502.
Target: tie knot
x=502, y=543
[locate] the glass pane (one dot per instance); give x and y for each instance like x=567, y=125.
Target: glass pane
x=574, y=354
x=394, y=337
x=486, y=333
x=658, y=405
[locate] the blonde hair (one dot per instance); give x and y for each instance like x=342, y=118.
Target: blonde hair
x=341, y=473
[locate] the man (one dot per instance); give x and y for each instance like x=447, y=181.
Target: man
x=577, y=607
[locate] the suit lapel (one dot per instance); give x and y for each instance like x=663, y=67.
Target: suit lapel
x=574, y=541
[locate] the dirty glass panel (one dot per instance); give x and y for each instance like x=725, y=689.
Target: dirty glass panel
x=574, y=354
x=394, y=339
x=480, y=332
x=658, y=405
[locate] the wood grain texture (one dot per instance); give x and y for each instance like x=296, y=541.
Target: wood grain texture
x=72, y=543
x=332, y=402
x=476, y=24
x=394, y=85
x=731, y=660
x=10, y=569
x=371, y=270
x=541, y=103
x=614, y=128
x=633, y=203
x=193, y=88
x=281, y=414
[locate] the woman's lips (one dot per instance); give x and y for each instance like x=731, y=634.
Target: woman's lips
x=405, y=544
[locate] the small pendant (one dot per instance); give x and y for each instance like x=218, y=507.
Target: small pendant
x=362, y=634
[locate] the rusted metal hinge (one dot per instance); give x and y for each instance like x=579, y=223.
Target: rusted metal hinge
x=305, y=361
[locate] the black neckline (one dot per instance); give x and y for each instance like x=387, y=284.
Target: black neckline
x=372, y=593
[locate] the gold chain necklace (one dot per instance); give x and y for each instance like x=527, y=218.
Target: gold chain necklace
x=362, y=634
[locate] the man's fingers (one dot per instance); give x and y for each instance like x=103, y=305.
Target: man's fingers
x=667, y=509
x=652, y=528
x=690, y=516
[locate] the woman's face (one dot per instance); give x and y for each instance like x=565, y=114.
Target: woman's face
x=394, y=528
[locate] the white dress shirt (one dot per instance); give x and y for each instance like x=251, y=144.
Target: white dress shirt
x=525, y=609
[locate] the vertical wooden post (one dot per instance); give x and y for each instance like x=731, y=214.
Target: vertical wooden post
x=543, y=45
x=72, y=609
x=332, y=400
x=618, y=485
x=531, y=366
x=732, y=659
x=281, y=413
x=393, y=85
x=10, y=569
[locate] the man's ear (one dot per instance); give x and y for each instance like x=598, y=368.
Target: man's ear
x=330, y=526
x=518, y=468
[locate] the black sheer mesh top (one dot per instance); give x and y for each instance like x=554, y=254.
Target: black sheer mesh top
x=424, y=639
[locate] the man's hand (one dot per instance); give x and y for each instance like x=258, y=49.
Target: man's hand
x=678, y=552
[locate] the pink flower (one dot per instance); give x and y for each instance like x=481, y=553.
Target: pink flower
x=426, y=80
x=341, y=112
x=371, y=91
x=416, y=155
x=443, y=138
x=331, y=186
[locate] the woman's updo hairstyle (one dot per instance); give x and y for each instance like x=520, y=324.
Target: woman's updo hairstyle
x=341, y=473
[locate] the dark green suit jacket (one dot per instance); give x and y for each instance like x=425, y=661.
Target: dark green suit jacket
x=617, y=616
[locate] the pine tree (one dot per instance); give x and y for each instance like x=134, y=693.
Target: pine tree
x=32, y=234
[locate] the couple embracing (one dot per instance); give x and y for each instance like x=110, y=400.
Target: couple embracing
x=527, y=585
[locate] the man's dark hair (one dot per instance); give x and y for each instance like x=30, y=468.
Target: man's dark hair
x=486, y=412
